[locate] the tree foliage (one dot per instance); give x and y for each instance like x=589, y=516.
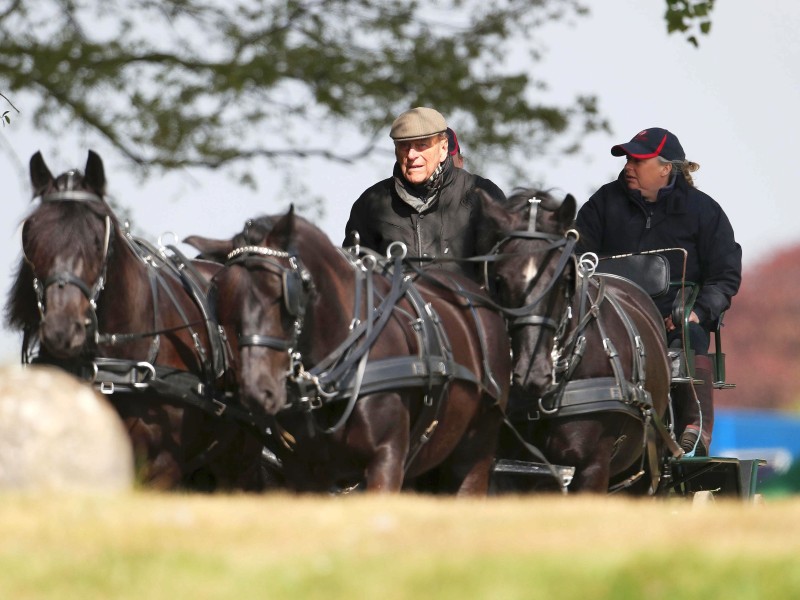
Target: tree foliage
x=216, y=83
x=212, y=82
x=690, y=17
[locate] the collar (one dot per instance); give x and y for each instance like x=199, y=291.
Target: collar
x=421, y=196
x=672, y=196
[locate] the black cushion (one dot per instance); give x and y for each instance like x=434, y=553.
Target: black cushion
x=649, y=271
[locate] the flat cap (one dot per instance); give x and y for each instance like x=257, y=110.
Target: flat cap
x=418, y=123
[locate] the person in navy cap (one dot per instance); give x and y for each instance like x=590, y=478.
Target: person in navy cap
x=652, y=205
x=429, y=203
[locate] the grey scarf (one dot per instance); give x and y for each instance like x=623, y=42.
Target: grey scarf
x=422, y=196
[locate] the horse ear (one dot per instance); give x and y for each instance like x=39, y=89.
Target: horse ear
x=567, y=211
x=95, y=175
x=41, y=177
x=283, y=231
x=210, y=249
x=495, y=219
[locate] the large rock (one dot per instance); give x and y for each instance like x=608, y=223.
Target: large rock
x=58, y=434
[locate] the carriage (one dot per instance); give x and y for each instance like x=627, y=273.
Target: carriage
x=250, y=381
x=682, y=473
x=697, y=477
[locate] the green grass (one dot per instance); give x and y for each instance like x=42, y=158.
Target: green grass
x=147, y=545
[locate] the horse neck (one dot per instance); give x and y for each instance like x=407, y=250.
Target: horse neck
x=330, y=314
x=127, y=298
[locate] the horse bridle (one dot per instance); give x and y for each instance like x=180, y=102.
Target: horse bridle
x=296, y=289
x=519, y=317
x=63, y=278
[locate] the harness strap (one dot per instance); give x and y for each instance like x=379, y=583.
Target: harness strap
x=537, y=454
x=574, y=348
x=441, y=369
x=156, y=255
x=489, y=384
x=194, y=283
x=112, y=375
x=362, y=363
x=384, y=312
x=568, y=244
x=585, y=396
x=403, y=372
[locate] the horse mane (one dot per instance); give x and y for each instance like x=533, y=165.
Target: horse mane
x=288, y=231
x=501, y=217
x=518, y=200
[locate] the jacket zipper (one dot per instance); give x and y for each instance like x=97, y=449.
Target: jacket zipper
x=419, y=240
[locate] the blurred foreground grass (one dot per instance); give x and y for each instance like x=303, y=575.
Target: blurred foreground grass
x=147, y=545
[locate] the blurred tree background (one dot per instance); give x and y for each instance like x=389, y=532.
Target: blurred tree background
x=760, y=336
x=228, y=84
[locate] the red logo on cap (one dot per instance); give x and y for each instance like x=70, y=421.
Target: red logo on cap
x=642, y=135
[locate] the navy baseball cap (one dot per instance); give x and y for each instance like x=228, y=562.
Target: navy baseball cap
x=650, y=143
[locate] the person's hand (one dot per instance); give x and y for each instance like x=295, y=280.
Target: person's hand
x=671, y=326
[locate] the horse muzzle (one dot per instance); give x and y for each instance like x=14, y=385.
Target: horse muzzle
x=261, y=392
x=62, y=336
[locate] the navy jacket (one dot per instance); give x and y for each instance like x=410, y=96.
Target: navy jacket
x=616, y=220
x=446, y=229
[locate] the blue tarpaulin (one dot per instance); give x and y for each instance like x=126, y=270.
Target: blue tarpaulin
x=752, y=429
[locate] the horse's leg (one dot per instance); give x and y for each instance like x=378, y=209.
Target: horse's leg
x=469, y=467
x=151, y=427
x=587, y=445
x=476, y=480
x=384, y=472
x=593, y=477
x=382, y=430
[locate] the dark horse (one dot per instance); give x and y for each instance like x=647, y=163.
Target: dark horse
x=591, y=377
x=93, y=300
x=391, y=382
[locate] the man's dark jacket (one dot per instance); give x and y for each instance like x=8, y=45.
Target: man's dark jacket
x=448, y=228
x=617, y=220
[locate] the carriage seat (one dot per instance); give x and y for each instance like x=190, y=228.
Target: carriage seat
x=651, y=272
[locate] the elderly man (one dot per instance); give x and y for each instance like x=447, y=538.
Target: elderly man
x=428, y=203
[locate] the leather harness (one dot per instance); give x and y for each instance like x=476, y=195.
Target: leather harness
x=567, y=397
x=347, y=372
x=115, y=375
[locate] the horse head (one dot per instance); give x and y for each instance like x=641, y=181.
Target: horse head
x=65, y=243
x=259, y=299
x=531, y=276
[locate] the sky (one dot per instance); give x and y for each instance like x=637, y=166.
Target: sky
x=732, y=102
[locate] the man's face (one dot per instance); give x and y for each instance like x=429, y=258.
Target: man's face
x=418, y=159
x=646, y=175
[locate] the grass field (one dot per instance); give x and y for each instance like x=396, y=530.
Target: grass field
x=147, y=545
